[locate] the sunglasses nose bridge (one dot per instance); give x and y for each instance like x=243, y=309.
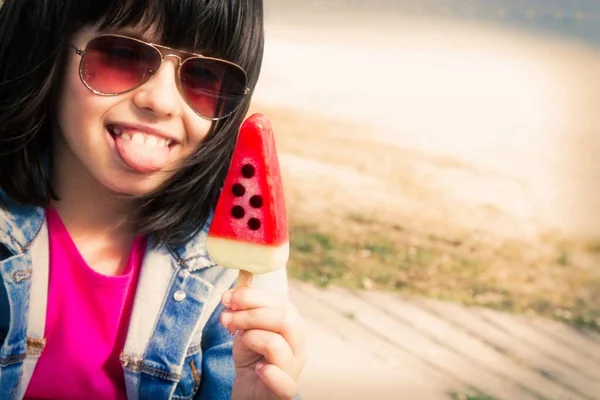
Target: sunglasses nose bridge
x=178, y=61
x=178, y=58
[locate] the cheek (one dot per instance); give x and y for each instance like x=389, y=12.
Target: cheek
x=197, y=129
x=80, y=110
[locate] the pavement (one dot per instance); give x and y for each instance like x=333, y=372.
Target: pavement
x=384, y=346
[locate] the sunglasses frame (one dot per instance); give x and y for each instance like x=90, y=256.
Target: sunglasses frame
x=163, y=52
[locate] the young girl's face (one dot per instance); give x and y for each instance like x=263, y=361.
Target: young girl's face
x=129, y=143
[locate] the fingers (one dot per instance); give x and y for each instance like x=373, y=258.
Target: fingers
x=280, y=384
x=272, y=347
x=269, y=319
x=243, y=355
x=271, y=337
x=246, y=298
x=284, y=321
x=252, y=308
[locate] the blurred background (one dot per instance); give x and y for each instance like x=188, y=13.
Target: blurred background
x=444, y=151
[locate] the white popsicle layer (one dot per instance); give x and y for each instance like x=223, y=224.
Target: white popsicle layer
x=254, y=258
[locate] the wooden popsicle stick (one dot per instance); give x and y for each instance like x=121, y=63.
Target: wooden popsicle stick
x=244, y=279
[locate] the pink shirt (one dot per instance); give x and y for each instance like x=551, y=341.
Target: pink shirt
x=86, y=323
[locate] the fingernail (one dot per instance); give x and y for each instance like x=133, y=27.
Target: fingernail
x=226, y=299
x=226, y=318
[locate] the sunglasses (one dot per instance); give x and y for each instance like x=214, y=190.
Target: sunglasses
x=113, y=64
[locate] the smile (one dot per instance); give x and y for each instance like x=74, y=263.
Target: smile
x=139, y=137
x=142, y=149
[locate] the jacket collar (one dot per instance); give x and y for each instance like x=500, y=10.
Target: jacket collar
x=19, y=226
x=194, y=255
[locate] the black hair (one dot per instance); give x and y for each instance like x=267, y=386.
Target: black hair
x=33, y=47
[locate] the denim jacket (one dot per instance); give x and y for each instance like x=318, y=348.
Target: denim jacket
x=175, y=347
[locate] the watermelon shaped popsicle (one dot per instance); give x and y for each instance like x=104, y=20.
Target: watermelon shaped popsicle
x=249, y=230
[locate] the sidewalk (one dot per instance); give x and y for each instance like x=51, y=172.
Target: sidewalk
x=370, y=345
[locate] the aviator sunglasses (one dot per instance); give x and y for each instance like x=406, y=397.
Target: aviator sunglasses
x=114, y=64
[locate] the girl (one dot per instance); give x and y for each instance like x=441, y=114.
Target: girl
x=115, y=137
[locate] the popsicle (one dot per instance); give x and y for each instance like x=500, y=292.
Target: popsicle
x=249, y=230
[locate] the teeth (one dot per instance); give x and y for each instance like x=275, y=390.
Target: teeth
x=138, y=138
x=151, y=141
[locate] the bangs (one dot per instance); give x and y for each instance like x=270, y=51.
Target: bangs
x=34, y=50
x=211, y=27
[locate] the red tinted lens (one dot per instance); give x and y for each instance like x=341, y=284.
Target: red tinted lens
x=113, y=65
x=213, y=88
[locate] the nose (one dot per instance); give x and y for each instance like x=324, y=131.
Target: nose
x=160, y=95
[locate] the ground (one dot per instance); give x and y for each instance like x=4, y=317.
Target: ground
x=369, y=215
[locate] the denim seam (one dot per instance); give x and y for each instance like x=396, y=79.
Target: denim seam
x=172, y=376
x=37, y=232
x=193, y=350
x=197, y=256
x=184, y=262
x=15, y=243
x=35, y=346
x=190, y=397
x=139, y=366
x=179, y=260
x=14, y=359
x=138, y=362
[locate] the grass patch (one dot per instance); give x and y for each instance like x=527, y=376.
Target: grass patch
x=564, y=259
x=364, y=214
x=593, y=247
x=350, y=315
x=463, y=396
x=367, y=255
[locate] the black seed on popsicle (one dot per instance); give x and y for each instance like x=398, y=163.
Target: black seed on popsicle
x=254, y=224
x=238, y=190
x=256, y=201
x=238, y=212
x=248, y=171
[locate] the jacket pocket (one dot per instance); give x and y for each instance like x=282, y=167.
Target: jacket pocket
x=191, y=377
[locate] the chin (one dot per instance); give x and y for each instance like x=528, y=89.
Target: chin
x=133, y=187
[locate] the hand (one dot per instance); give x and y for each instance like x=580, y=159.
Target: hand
x=269, y=350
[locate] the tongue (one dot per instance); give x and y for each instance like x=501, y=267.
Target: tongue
x=142, y=158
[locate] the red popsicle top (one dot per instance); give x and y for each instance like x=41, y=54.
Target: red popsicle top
x=251, y=207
